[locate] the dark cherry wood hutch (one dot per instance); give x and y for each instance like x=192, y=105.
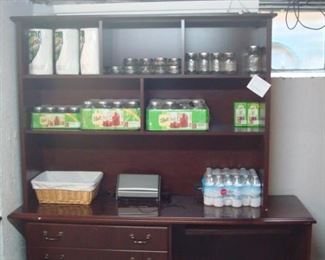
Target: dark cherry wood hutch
x=183, y=227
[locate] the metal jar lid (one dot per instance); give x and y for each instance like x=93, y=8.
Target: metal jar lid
x=132, y=104
x=191, y=55
x=61, y=109
x=160, y=61
x=88, y=103
x=174, y=62
x=216, y=55
x=74, y=109
x=117, y=103
x=50, y=109
x=145, y=61
x=130, y=61
x=38, y=109
x=204, y=55
x=102, y=103
x=229, y=55
x=253, y=48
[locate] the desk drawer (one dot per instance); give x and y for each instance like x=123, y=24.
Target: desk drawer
x=96, y=236
x=90, y=254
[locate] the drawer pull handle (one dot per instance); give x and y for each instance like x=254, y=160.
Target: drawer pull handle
x=47, y=257
x=140, y=241
x=47, y=238
x=132, y=258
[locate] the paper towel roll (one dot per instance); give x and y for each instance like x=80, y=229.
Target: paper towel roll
x=40, y=43
x=67, y=51
x=89, y=51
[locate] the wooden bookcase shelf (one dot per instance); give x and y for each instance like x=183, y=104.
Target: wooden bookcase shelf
x=174, y=229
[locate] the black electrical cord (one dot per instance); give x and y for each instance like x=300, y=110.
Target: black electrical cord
x=295, y=6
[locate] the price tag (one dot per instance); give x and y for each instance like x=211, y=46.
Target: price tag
x=258, y=85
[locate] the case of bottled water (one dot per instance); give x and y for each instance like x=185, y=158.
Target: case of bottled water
x=231, y=187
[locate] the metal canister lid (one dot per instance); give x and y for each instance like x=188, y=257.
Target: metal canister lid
x=38, y=109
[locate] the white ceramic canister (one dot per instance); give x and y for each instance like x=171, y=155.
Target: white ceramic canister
x=67, y=51
x=40, y=50
x=89, y=51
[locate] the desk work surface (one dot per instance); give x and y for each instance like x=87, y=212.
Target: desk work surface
x=180, y=210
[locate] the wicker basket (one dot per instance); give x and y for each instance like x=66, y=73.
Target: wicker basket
x=65, y=196
x=64, y=188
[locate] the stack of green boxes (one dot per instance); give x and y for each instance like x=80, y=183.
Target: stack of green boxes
x=249, y=114
x=177, y=115
x=117, y=114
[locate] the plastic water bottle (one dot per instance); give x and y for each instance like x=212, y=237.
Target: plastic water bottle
x=246, y=190
x=228, y=190
x=208, y=186
x=219, y=189
x=255, y=200
x=237, y=192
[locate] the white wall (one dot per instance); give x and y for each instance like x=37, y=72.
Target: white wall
x=11, y=242
x=298, y=148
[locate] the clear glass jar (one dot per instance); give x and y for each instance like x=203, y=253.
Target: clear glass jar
x=160, y=65
x=190, y=62
x=130, y=65
x=253, y=60
x=203, y=63
x=145, y=66
x=229, y=63
x=215, y=62
x=116, y=70
x=263, y=59
x=130, y=62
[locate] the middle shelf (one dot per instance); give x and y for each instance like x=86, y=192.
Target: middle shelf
x=215, y=130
